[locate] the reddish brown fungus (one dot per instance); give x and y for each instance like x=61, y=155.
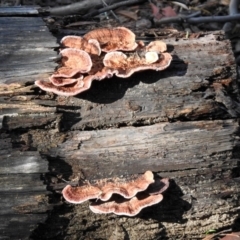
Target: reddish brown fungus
x=119, y=38
x=76, y=59
x=67, y=90
x=127, y=207
x=156, y=46
x=105, y=191
x=91, y=46
x=65, y=72
x=128, y=189
x=159, y=186
x=126, y=66
x=61, y=81
x=80, y=194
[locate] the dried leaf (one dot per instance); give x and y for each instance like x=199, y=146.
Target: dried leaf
x=129, y=14
x=169, y=12
x=155, y=11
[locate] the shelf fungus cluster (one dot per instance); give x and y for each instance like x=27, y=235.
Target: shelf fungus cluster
x=100, y=54
x=122, y=198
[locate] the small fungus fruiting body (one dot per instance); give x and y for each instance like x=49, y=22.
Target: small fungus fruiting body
x=105, y=191
x=119, y=38
x=103, y=53
x=121, y=206
x=91, y=46
x=80, y=195
x=122, y=198
x=128, y=189
x=156, y=46
x=125, y=66
x=67, y=90
x=76, y=59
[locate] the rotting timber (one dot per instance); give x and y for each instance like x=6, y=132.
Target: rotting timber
x=181, y=123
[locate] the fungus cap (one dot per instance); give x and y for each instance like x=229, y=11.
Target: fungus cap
x=61, y=81
x=76, y=59
x=66, y=90
x=156, y=46
x=127, y=207
x=128, y=189
x=125, y=66
x=80, y=194
x=112, y=39
x=91, y=46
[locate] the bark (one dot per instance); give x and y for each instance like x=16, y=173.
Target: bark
x=180, y=123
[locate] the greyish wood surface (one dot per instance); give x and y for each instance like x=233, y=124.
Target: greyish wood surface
x=18, y=11
x=27, y=49
x=201, y=157
x=23, y=195
x=199, y=84
x=179, y=122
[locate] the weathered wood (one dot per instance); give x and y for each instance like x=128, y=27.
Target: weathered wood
x=160, y=147
x=24, y=200
x=27, y=50
x=184, y=91
x=200, y=155
x=21, y=11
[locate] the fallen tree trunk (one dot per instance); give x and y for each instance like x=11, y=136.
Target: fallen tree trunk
x=180, y=123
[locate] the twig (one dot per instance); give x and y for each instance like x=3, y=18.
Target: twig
x=79, y=7
x=111, y=11
x=233, y=9
x=195, y=20
x=113, y=6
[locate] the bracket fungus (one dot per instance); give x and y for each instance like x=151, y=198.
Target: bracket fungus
x=121, y=206
x=91, y=46
x=119, y=38
x=156, y=46
x=67, y=90
x=104, y=191
x=76, y=59
x=125, y=66
x=122, y=198
x=103, y=53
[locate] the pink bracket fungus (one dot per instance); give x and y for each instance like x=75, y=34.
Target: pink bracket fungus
x=159, y=186
x=84, y=59
x=128, y=189
x=122, y=198
x=119, y=38
x=121, y=206
x=76, y=59
x=66, y=90
x=64, y=72
x=63, y=81
x=91, y=46
x=126, y=66
x=156, y=46
x=80, y=194
x=104, y=191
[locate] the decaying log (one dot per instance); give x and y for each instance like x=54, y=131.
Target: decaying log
x=181, y=123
